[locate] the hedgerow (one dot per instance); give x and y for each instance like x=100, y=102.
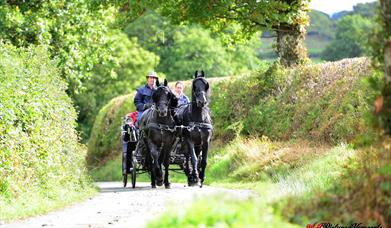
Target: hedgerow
x=39, y=148
x=321, y=102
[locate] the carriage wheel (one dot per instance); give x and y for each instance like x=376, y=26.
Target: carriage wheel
x=125, y=179
x=133, y=173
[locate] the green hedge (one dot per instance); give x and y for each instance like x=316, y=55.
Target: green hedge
x=39, y=149
x=320, y=102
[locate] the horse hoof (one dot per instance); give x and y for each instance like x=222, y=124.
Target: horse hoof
x=192, y=184
x=159, y=183
x=167, y=186
x=153, y=186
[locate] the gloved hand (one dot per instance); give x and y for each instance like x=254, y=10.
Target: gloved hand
x=147, y=106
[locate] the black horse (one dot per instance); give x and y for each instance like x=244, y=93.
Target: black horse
x=158, y=133
x=197, y=136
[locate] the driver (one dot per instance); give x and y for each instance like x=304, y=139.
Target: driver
x=143, y=98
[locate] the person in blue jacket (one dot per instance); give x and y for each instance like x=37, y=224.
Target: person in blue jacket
x=182, y=98
x=143, y=98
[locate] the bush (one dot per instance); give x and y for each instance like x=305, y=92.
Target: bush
x=39, y=149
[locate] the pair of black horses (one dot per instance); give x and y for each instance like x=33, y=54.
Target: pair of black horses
x=162, y=125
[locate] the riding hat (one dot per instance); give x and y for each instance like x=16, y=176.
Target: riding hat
x=152, y=74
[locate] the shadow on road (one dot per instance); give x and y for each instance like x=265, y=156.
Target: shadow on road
x=114, y=187
x=122, y=189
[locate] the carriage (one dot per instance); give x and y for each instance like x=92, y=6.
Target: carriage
x=163, y=138
x=133, y=161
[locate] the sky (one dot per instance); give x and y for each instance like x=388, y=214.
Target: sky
x=333, y=6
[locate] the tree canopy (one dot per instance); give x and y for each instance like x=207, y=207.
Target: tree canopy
x=289, y=18
x=77, y=36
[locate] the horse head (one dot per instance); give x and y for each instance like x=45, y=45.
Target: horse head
x=200, y=89
x=164, y=99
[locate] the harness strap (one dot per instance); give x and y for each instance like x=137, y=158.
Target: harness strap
x=201, y=125
x=161, y=145
x=173, y=147
x=161, y=127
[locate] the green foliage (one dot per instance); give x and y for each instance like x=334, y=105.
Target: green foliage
x=322, y=102
x=250, y=17
x=39, y=147
x=132, y=64
x=183, y=49
x=352, y=35
x=367, y=10
x=77, y=36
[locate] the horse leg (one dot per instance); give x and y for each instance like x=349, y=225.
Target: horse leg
x=166, y=163
x=204, y=161
x=194, y=164
x=186, y=164
x=154, y=164
x=159, y=174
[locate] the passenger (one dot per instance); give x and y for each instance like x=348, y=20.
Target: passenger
x=182, y=98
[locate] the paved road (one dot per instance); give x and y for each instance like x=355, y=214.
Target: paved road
x=116, y=206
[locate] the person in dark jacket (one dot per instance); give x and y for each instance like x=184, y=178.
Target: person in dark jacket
x=143, y=98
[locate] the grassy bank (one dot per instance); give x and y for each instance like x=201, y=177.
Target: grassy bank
x=297, y=184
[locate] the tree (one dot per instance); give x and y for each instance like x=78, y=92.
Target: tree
x=386, y=113
x=321, y=24
x=182, y=49
x=367, y=10
x=351, y=37
x=288, y=18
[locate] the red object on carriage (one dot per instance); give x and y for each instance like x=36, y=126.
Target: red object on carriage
x=133, y=117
